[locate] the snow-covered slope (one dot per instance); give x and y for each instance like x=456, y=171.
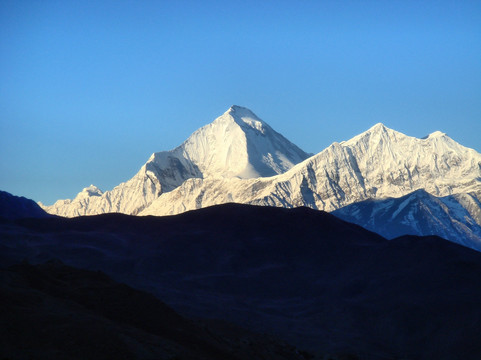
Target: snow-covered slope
x=236, y=144
x=239, y=144
x=454, y=217
x=378, y=163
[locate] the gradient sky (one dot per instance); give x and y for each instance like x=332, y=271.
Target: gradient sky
x=89, y=89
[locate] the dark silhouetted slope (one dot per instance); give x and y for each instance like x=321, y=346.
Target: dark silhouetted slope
x=304, y=275
x=15, y=207
x=53, y=311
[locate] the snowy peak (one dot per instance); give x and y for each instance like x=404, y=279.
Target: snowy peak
x=245, y=118
x=378, y=128
x=239, y=112
x=242, y=111
x=242, y=117
x=89, y=191
x=239, y=158
x=378, y=134
x=236, y=144
x=395, y=161
x=378, y=163
x=239, y=144
x=436, y=134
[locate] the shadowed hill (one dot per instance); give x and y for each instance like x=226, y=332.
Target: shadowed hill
x=53, y=311
x=304, y=275
x=15, y=207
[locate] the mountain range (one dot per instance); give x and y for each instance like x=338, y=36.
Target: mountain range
x=240, y=158
x=236, y=145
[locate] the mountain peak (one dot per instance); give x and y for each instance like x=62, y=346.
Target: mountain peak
x=239, y=144
x=236, y=144
x=379, y=128
x=239, y=109
x=374, y=134
x=435, y=134
x=378, y=163
x=243, y=117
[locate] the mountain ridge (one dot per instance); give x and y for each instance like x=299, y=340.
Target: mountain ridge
x=240, y=158
x=204, y=154
x=454, y=217
x=369, y=165
x=16, y=207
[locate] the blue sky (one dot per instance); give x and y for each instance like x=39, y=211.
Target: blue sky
x=89, y=89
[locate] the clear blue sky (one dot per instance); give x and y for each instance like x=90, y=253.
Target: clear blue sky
x=89, y=89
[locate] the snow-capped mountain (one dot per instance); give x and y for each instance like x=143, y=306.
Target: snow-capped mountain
x=378, y=163
x=239, y=158
x=239, y=144
x=236, y=145
x=454, y=217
